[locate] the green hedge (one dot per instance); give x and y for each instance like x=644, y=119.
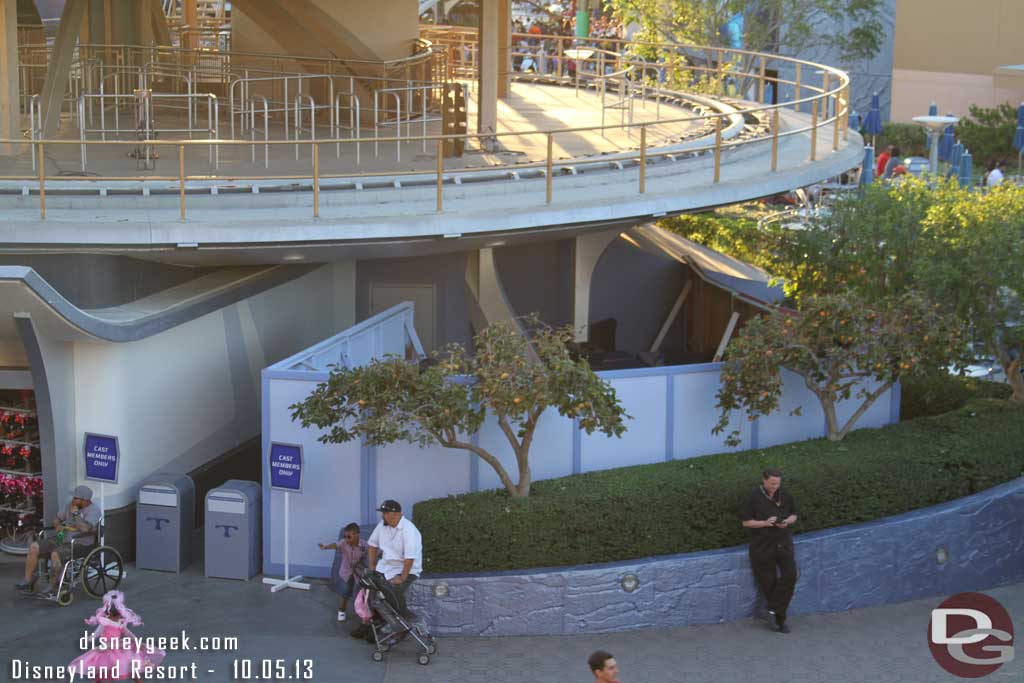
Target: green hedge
x=909, y=137
x=691, y=505
x=938, y=394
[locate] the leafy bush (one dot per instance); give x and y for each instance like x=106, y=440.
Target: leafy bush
x=937, y=394
x=909, y=137
x=691, y=505
x=988, y=133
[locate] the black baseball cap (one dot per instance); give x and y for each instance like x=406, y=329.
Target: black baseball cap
x=390, y=506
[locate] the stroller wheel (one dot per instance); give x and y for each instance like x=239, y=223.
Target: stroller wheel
x=432, y=649
x=423, y=659
x=378, y=656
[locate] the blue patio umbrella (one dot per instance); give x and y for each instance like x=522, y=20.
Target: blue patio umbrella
x=867, y=171
x=1019, y=137
x=965, y=169
x=954, y=159
x=933, y=110
x=946, y=143
x=873, y=121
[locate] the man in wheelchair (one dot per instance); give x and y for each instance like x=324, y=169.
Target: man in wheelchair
x=76, y=521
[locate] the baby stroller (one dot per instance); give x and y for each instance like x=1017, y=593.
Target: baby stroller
x=388, y=624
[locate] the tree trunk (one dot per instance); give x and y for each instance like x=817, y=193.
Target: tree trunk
x=1016, y=380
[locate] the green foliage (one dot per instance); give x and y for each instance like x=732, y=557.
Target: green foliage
x=909, y=137
x=988, y=133
x=973, y=261
x=512, y=375
x=939, y=393
x=843, y=346
x=869, y=242
x=693, y=505
x=786, y=26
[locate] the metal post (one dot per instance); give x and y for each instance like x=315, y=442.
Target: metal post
x=824, y=95
x=835, y=127
x=181, y=181
x=846, y=112
x=643, y=159
x=316, y=180
x=440, y=174
x=547, y=176
x=760, y=82
x=42, y=189
x=796, y=96
x=718, y=148
x=814, y=130
x=775, y=139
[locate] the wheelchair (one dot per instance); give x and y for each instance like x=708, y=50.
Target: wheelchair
x=97, y=568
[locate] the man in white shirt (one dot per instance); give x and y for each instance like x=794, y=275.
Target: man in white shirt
x=396, y=551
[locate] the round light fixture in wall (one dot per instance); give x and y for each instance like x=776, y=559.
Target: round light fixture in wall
x=941, y=555
x=440, y=590
x=630, y=582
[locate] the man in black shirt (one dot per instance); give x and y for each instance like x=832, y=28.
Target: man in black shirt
x=769, y=513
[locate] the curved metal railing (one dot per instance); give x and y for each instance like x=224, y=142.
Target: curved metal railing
x=822, y=89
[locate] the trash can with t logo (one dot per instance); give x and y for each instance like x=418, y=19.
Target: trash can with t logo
x=164, y=522
x=232, y=531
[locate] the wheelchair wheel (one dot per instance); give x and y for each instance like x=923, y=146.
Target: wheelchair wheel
x=102, y=571
x=65, y=596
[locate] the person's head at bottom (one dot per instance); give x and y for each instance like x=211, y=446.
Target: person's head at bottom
x=604, y=667
x=772, y=480
x=391, y=512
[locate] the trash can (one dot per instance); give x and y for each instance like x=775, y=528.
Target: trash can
x=164, y=521
x=232, y=531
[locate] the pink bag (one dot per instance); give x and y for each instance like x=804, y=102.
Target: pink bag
x=361, y=606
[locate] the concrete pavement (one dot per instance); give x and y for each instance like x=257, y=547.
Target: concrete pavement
x=880, y=644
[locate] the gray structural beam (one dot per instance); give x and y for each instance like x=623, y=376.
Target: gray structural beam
x=59, y=66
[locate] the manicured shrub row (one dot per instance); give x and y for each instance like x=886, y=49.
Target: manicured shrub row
x=691, y=505
x=938, y=394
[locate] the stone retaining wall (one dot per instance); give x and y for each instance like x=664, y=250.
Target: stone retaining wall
x=973, y=543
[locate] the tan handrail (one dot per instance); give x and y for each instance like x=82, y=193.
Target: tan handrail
x=835, y=86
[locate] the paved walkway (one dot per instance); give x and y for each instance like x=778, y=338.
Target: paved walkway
x=885, y=644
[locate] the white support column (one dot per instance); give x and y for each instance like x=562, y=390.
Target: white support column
x=487, y=91
x=9, y=109
x=588, y=250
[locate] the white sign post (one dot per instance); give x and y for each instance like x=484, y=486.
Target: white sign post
x=102, y=457
x=286, y=476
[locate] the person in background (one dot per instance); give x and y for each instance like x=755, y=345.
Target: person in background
x=396, y=551
x=892, y=163
x=994, y=177
x=604, y=667
x=768, y=514
x=78, y=520
x=350, y=557
x=882, y=161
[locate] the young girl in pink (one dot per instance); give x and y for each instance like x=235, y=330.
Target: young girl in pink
x=110, y=660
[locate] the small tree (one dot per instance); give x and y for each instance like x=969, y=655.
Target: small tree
x=974, y=263
x=513, y=377
x=842, y=347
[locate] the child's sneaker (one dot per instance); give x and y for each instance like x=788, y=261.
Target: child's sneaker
x=341, y=615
